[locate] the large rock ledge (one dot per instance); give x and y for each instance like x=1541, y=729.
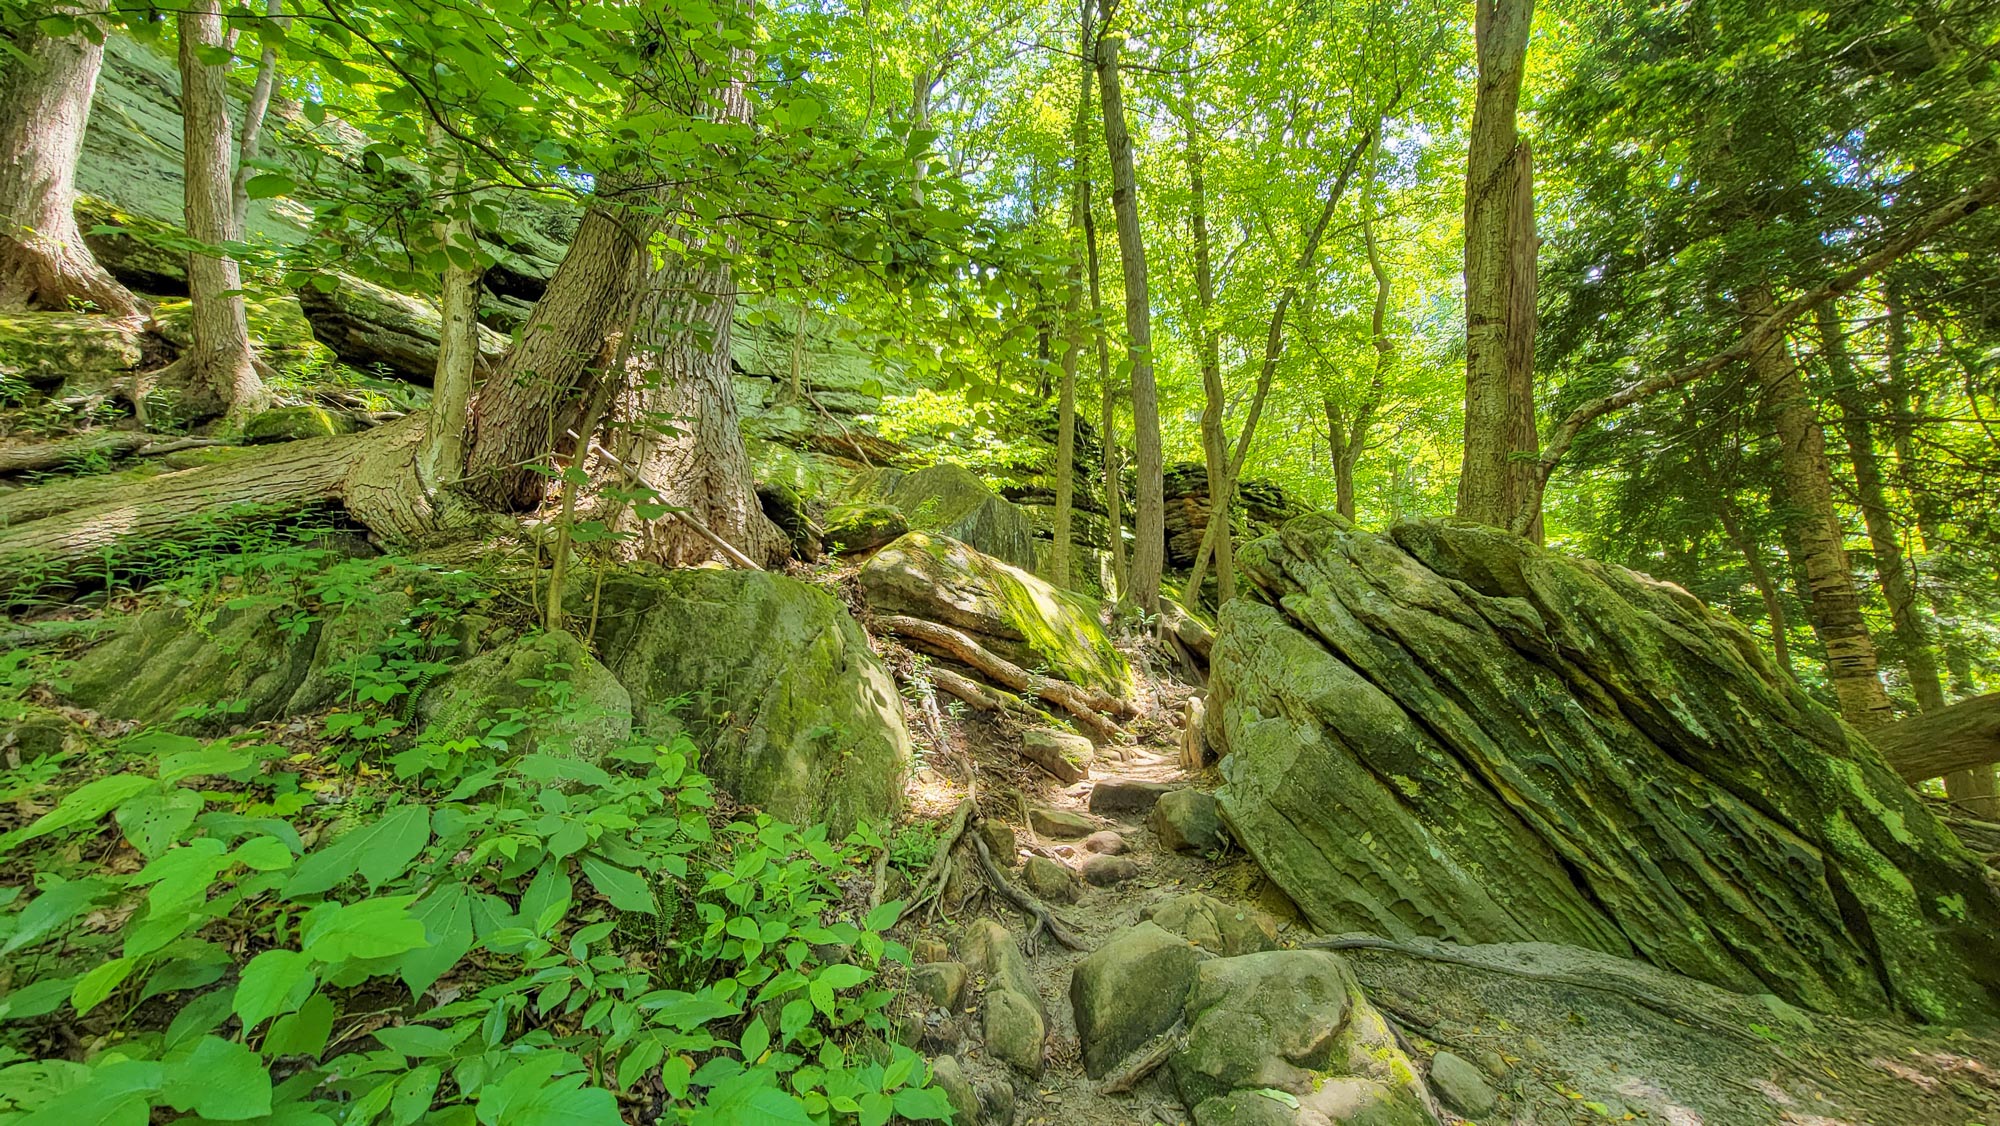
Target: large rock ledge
x=1447, y=731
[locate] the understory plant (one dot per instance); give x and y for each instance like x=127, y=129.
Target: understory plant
x=228, y=931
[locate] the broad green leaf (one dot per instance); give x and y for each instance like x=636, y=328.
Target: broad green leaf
x=263, y=854
x=219, y=1080
x=843, y=976
x=419, y=1040
x=63, y=901
x=372, y=928
x=626, y=891
x=379, y=852
x=153, y=821
x=276, y=981
x=684, y=1011
x=413, y=1093
x=117, y=1094
x=215, y=758
x=303, y=1033
x=93, y=987
x=923, y=1103
x=269, y=185
x=181, y=877
x=448, y=935
x=84, y=804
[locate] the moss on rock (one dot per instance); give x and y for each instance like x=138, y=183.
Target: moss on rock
x=860, y=526
x=289, y=424
x=951, y=500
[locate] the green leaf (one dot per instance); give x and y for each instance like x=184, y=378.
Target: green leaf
x=797, y=1013
x=626, y=891
x=263, y=854
x=684, y=1011
x=276, y=981
x=372, y=928
x=448, y=935
x=303, y=1033
x=219, y=1080
x=214, y=758
x=117, y=1094
x=270, y=184
x=379, y=852
x=843, y=976
x=923, y=1103
x=420, y=1041
x=756, y=1041
x=84, y=804
x=884, y=916
x=153, y=821
x=92, y=988
x=413, y=1094
x=60, y=903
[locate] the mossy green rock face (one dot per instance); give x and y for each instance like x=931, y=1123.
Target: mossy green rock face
x=289, y=424
x=1448, y=731
x=951, y=500
x=1022, y=618
x=854, y=528
x=572, y=705
x=48, y=348
x=775, y=681
x=240, y=668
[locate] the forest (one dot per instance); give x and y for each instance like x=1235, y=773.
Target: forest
x=1369, y=562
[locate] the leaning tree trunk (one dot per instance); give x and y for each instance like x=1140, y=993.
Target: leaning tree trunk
x=1954, y=738
x=250, y=141
x=1497, y=483
x=1833, y=599
x=1063, y=546
x=217, y=369
x=529, y=401
x=45, y=97
x=1149, y=554
x=1348, y=440
x=441, y=457
x=1760, y=577
x=1107, y=417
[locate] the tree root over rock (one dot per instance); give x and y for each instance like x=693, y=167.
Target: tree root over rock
x=1086, y=704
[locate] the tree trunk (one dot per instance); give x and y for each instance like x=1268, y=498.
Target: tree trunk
x=1832, y=598
x=249, y=142
x=1760, y=576
x=681, y=392
x=1214, y=446
x=1497, y=484
x=1149, y=553
x=1107, y=418
x=1063, y=546
x=218, y=370
x=1347, y=441
x=45, y=97
x=529, y=400
x=1954, y=738
x=441, y=457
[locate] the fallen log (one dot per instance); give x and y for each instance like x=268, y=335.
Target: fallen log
x=996, y=702
x=28, y=457
x=1085, y=704
x=59, y=533
x=368, y=326
x=1963, y=736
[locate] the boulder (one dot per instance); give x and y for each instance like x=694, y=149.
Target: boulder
x=999, y=838
x=46, y=349
x=1260, y=506
x=1188, y=821
x=1461, y=1085
x=940, y=983
x=1129, y=990
x=858, y=527
x=1211, y=924
x=158, y=667
x=1287, y=1020
x=950, y=500
x=1050, y=880
x=1335, y=1102
x=1105, y=871
x=1060, y=823
x=369, y=326
x=793, y=712
x=1064, y=756
x=1014, y=1030
x=950, y=1078
x=1126, y=795
x=1003, y=607
x=288, y=424
x=590, y=715
x=991, y=949
x=1449, y=731
x=1104, y=841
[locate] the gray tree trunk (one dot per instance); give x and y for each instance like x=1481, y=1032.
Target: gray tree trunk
x=1498, y=481
x=1214, y=446
x=1149, y=553
x=251, y=139
x=218, y=369
x=441, y=457
x=44, y=107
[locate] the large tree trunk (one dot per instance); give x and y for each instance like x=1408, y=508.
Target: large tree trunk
x=1954, y=738
x=1149, y=553
x=218, y=370
x=1214, y=446
x=1107, y=418
x=1497, y=482
x=251, y=139
x=1832, y=597
x=529, y=401
x=44, y=105
x=1063, y=546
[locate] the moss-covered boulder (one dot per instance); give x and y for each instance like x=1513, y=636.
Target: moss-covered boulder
x=289, y=424
x=372, y=327
x=1006, y=609
x=1448, y=731
x=775, y=680
x=45, y=349
x=163, y=666
x=951, y=500
x=571, y=704
x=857, y=527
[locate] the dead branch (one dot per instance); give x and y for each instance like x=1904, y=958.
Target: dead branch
x=1144, y=1060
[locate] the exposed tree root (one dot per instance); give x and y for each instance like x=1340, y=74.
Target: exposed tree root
x=998, y=702
x=933, y=881
x=1045, y=920
x=1085, y=704
x=1145, y=1060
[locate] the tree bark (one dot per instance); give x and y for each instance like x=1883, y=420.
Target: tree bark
x=1832, y=597
x=44, y=107
x=530, y=398
x=1497, y=485
x=681, y=390
x=441, y=457
x=1214, y=446
x=1107, y=418
x=1348, y=440
x=1063, y=546
x=1760, y=576
x=218, y=370
x=1149, y=552
x=1954, y=738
